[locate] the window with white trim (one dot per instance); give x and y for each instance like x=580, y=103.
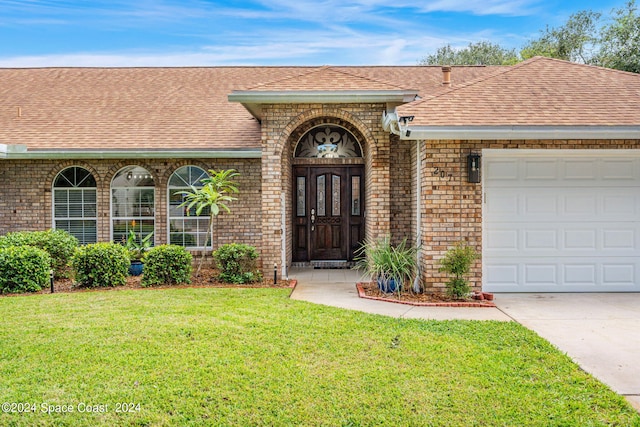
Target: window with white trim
x=186, y=228
x=132, y=204
x=74, y=204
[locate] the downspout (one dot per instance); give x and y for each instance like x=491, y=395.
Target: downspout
x=416, y=283
x=283, y=259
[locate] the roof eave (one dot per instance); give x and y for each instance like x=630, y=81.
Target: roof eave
x=474, y=133
x=7, y=153
x=253, y=100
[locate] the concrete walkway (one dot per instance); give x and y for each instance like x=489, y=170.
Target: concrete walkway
x=337, y=288
x=600, y=332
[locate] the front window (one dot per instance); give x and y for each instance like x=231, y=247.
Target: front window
x=185, y=227
x=132, y=203
x=74, y=204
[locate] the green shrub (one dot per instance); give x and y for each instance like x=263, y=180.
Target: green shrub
x=101, y=264
x=58, y=243
x=23, y=269
x=457, y=262
x=237, y=263
x=166, y=264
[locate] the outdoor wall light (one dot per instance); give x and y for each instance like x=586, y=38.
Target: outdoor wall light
x=473, y=166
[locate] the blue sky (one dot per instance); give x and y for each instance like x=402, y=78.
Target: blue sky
x=35, y=33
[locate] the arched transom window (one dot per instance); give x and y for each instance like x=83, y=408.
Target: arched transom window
x=74, y=203
x=186, y=228
x=132, y=203
x=328, y=141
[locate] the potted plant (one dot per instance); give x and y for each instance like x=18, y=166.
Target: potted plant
x=391, y=266
x=137, y=248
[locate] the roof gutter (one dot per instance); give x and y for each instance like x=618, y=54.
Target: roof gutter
x=19, y=152
x=322, y=96
x=471, y=133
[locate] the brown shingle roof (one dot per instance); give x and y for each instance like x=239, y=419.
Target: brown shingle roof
x=166, y=108
x=326, y=79
x=537, y=92
x=188, y=109
x=129, y=108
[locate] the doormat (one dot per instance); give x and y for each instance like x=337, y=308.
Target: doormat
x=340, y=264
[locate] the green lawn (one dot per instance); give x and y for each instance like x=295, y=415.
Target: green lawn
x=245, y=357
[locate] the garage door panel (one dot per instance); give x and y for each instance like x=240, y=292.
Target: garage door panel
x=500, y=206
x=569, y=223
x=619, y=169
x=540, y=274
x=541, y=204
x=539, y=170
x=619, y=205
x=502, y=275
x=579, y=274
x=620, y=239
x=498, y=240
x=581, y=169
x=579, y=205
x=618, y=273
x=500, y=170
x=541, y=238
x=582, y=239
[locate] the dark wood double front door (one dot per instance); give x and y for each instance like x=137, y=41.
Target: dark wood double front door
x=328, y=212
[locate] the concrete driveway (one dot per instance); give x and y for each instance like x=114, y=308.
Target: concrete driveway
x=600, y=332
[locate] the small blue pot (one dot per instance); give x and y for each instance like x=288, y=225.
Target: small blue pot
x=135, y=269
x=388, y=285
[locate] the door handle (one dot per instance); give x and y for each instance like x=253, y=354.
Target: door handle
x=313, y=219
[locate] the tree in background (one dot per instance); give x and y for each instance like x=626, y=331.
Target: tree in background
x=574, y=41
x=620, y=40
x=585, y=38
x=481, y=53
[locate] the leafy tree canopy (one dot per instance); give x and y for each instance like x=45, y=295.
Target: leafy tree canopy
x=585, y=38
x=574, y=41
x=481, y=53
x=620, y=40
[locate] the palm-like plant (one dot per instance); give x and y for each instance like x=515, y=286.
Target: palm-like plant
x=213, y=196
x=385, y=262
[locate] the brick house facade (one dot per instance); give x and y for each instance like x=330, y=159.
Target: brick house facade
x=414, y=133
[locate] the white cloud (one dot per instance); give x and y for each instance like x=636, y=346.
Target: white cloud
x=277, y=32
x=486, y=7
x=310, y=49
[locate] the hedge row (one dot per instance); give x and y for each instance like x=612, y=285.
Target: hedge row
x=26, y=259
x=59, y=244
x=23, y=269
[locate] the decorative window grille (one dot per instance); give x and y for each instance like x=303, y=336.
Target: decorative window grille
x=186, y=228
x=132, y=203
x=74, y=204
x=328, y=141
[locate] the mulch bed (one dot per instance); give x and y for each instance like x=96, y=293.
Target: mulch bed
x=369, y=290
x=206, y=279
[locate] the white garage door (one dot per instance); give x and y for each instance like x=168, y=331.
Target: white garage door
x=561, y=221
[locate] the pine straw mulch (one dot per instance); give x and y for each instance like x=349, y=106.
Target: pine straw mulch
x=370, y=290
x=206, y=279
